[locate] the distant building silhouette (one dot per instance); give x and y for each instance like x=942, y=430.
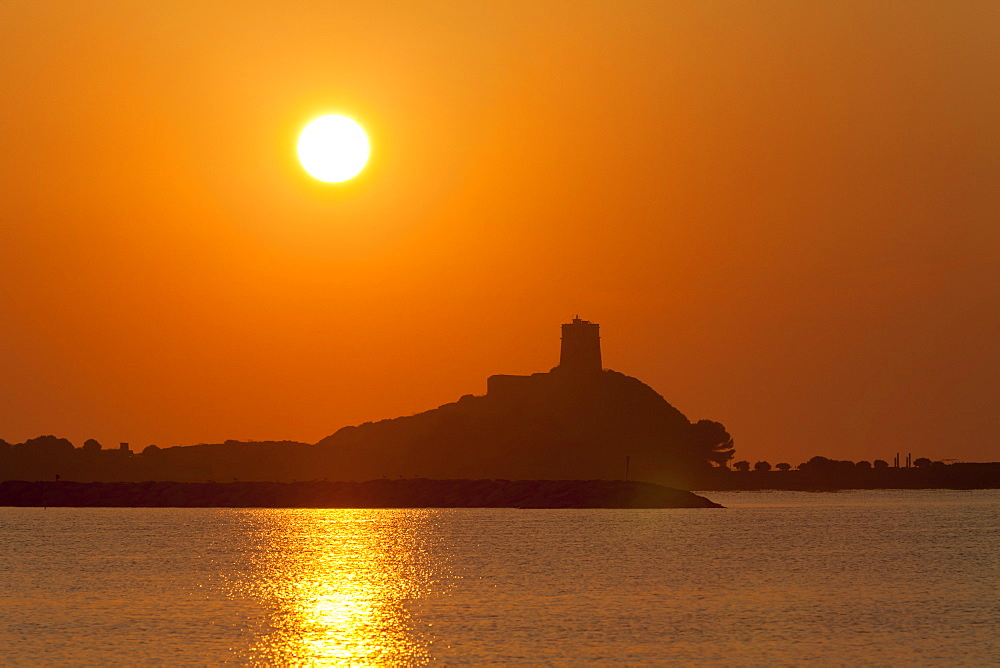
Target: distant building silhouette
x=581, y=346
x=580, y=353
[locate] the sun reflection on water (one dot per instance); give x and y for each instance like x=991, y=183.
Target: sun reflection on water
x=337, y=586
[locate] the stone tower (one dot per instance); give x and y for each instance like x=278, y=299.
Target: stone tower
x=581, y=346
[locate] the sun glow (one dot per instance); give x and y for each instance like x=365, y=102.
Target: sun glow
x=333, y=148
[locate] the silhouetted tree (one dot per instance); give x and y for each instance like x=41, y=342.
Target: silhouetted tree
x=150, y=450
x=47, y=446
x=91, y=445
x=881, y=464
x=825, y=465
x=742, y=465
x=783, y=466
x=921, y=462
x=762, y=466
x=712, y=442
x=863, y=465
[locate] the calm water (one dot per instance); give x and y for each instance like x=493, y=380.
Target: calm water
x=885, y=577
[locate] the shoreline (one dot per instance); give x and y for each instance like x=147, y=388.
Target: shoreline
x=383, y=493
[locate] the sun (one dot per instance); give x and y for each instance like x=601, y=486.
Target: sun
x=333, y=148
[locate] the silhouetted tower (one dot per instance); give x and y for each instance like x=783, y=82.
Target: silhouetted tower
x=581, y=346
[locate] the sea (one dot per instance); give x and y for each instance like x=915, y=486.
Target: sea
x=832, y=578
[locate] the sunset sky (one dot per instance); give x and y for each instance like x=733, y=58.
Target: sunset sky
x=784, y=215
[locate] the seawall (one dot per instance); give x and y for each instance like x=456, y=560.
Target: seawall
x=403, y=493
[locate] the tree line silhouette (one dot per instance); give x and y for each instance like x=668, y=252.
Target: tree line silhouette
x=829, y=465
x=824, y=473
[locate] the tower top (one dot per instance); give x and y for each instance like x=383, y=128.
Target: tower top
x=581, y=346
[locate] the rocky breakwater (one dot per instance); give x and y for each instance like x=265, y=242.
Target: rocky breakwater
x=404, y=493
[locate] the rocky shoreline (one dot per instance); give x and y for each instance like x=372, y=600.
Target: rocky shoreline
x=383, y=493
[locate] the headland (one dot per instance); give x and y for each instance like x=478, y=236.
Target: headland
x=576, y=422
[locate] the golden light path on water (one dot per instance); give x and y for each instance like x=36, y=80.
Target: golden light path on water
x=337, y=584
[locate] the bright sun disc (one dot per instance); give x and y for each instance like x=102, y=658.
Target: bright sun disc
x=333, y=148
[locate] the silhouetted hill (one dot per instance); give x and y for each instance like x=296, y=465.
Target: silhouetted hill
x=548, y=425
x=232, y=460
x=46, y=457
x=413, y=493
x=577, y=421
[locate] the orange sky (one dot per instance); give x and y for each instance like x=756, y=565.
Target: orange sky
x=784, y=215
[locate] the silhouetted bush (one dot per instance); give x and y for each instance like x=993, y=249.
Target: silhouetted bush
x=762, y=466
x=47, y=446
x=826, y=465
